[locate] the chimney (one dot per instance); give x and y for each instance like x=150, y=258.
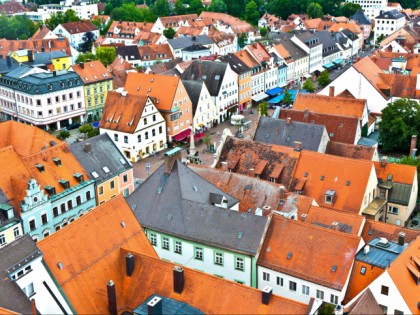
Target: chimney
x=366, y=249
x=129, y=264
x=332, y=91
x=170, y=159
x=88, y=147
x=33, y=307
x=154, y=307
x=297, y=146
x=178, y=279
x=384, y=161
x=112, y=298
x=303, y=217
x=281, y=197
x=82, y=65
x=30, y=55
x=9, y=61
x=401, y=238
x=42, y=49
x=413, y=146
x=288, y=120
x=54, y=73
x=266, y=294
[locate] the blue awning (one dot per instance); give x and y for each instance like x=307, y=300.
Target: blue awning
x=276, y=100
x=328, y=65
x=275, y=91
x=338, y=61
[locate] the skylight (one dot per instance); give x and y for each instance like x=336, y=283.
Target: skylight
x=123, y=161
x=106, y=169
x=95, y=175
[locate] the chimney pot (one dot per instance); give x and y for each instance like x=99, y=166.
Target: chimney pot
x=401, y=238
x=366, y=249
x=178, y=279
x=332, y=92
x=129, y=264
x=384, y=161
x=303, y=217
x=266, y=294
x=88, y=147
x=297, y=146
x=413, y=146
x=288, y=120
x=112, y=298
x=154, y=306
x=33, y=307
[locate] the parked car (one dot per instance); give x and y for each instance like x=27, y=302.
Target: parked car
x=73, y=126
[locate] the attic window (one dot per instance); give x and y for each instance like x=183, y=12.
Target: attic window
x=322, y=177
x=40, y=167
x=203, y=77
x=79, y=177
x=106, y=169
x=50, y=190
x=329, y=196
x=217, y=77
x=348, y=183
x=331, y=134
x=340, y=125
x=305, y=174
x=49, y=87
x=240, y=234
x=65, y=183
x=195, y=188
x=122, y=161
x=60, y=266
x=289, y=255
x=334, y=268
x=389, y=178
x=159, y=190
x=95, y=175
x=363, y=270
x=123, y=224
x=57, y=161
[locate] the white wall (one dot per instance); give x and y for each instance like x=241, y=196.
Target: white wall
x=370, y=189
x=230, y=87
x=206, y=110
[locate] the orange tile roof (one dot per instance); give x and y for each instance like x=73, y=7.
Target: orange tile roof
x=79, y=27
x=328, y=172
x=94, y=241
x=92, y=72
x=323, y=104
x=129, y=27
x=346, y=93
x=400, y=274
x=247, y=58
x=284, y=53
x=404, y=174
x=314, y=251
x=371, y=72
x=148, y=38
x=6, y=311
x=25, y=139
x=153, y=85
x=155, y=52
x=119, y=68
x=353, y=151
x=41, y=32
x=259, y=52
x=53, y=173
x=126, y=110
x=374, y=229
x=312, y=23
x=47, y=45
x=188, y=31
x=175, y=19
x=338, y=27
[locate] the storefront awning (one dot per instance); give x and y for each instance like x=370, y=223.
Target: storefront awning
x=338, y=61
x=318, y=68
x=199, y=136
x=275, y=91
x=259, y=97
x=182, y=135
x=328, y=65
x=307, y=76
x=276, y=100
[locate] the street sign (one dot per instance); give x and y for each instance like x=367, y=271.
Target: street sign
x=147, y=166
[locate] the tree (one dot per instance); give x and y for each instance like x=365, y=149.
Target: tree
x=106, y=54
x=85, y=57
x=251, y=13
x=348, y=9
x=108, y=8
x=263, y=108
x=242, y=40
x=324, y=78
x=217, y=6
x=196, y=6
x=399, y=121
x=263, y=31
x=161, y=8
x=207, y=140
x=60, y=18
x=179, y=7
x=309, y=86
x=169, y=33
x=63, y=135
x=235, y=7
x=287, y=98
x=380, y=38
x=314, y=10
x=85, y=128
x=93, y=133
x=88, y=40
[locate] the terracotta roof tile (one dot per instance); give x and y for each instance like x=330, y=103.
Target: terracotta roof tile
x=237, y=25
x=353, y=151
x=374, y=229
x=346, y=94
x=12, y=7
x=371, y=72
x=122, y=112
x=41, y=32
x=119, y=68
x=153, y=85
x=47, y=45
x=323, y=104
x=339, y=128
x=155, y=52
x=188, y=31
x=79, y=27
x=92, y=72
x=176, y=19
x=348, y=178
x=314, y=251
x=312, y=23
x=127, y=27
x=404, y=174
x=338, y=27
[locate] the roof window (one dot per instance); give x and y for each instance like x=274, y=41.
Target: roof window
x=106, y=169
x=329, y=196
x=50, y=190
x=57, y=161
x=79, y=177
x=65, y=183
x=40, y=167
x=95, y=175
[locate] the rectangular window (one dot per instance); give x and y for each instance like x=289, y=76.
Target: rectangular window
x=16, y=232
x=384, y=309
x=29, y=290
x=397, y=312
x=153, y=132
x=139, y=138
x=198, y=253
x=160, y=129
x=153, y=239
x=239, y=264
x=305, y=290
x=125, y=178
x=145, y=121
x=63, y=207
x=32, y=225
x=115, y=137
x=112, y=184
x=393, y=210
x=88, y=196
x=146, y=135
x=78, y=200
x=165, y=243
x=178, y=247
x=55, y=212
x=101, y=190
x=292, y=286
x=218, y=259
x=154, y=117
x=125, y=139
x=2, y=239
x=279, y=281
x=334, y=299
x=384, y=290
x=70, y=204
x=44, y=219
x=266, y=276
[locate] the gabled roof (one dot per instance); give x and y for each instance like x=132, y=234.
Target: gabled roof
x=41, y=32
x=353, y=151
x=243, y=156
x=119, y=68
x=168, y=21
x=12, y=7
x=347, y=178
x=285, y=132
x=122, y=111
x=211, y=73
x=12, y=297
x=79, y=27
x=92, y=72
x=24, y=138
x=152, y=85
x=259, y=52
x=40, y=45
x=173, y=204
x=235, y=63
x=89, y=251
x=339, y=128
x=155, y=52
x=389, y=231
x=101, y=153
x=238, y=26
x=186, y=41
x=390, y=15
x=371, y=71
x=403, y=174
x=366, y=304
x=323, y=104
x=130, y=52
x=308, y=252
x=193, y=89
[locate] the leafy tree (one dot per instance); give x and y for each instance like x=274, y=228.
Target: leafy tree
x=263, y=108
x=314, y=10
x=348, y=9
x=329, y=6
x=365, y=130
x=399, y=121
x=380, y=38
x=63, y=135
x=263, y=31
x=309, y=86
x=251, y=13
x=196, y=6
x=108, y=8
x=60, y=18
x=93, y=133
x=85, y=57
x=283, y=8
x=217, y=6
x=324, y=78
x=85, y=128
x=18, y=26
x=88, y=40
x=207, y=140
x=179, y=7
x=161, y=8
x=169, y=33
x=106, y=54
x=242, y=40
x=235, y=7
x=287, y=97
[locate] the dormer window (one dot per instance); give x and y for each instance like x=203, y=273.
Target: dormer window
x=57, y=161
x=329, y=196
x=79, y=177
x=65, y=183
x=50, y=190
x=40, y=168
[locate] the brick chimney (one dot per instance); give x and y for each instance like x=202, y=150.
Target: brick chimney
x=266, y=294
x=154, y=306
x=33, y=307
x=297, y=146
x=384, y=161
x=401, y=238
x=170, y=159
x=112, y=298
x=413, y=146
x=332, y=92
x=129, y=264
x=88, y=147
x=178, y=279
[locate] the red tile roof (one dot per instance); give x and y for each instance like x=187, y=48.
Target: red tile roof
x=313, y=252
x=404, y=174
x=155, y=52
x=119, y=68
x=92, y=72
x=353, y=151
x=374, y=229
x=41, y=32
x=47, y=45
x=79, y=27
x=12, y=7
